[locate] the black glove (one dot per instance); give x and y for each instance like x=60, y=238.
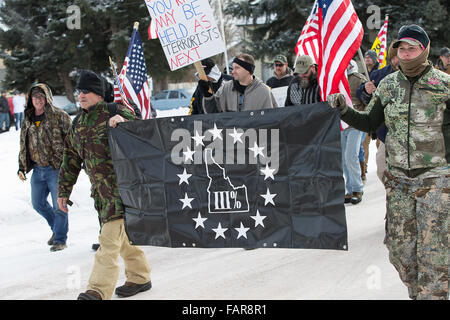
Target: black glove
x=205, y=88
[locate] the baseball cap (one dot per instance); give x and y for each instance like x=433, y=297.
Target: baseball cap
x=414, y=35
x=445, y=51
x=303, y=64
x=281, y=58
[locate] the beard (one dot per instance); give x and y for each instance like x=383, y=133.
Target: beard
x=306, y=83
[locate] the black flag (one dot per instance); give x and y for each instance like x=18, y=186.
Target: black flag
x=268, y=178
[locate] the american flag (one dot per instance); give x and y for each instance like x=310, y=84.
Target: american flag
x=307, y=43
x=133, y=77
x=341, y=34
x=152, y=30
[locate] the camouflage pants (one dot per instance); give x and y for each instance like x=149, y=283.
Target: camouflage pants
x=417, y=233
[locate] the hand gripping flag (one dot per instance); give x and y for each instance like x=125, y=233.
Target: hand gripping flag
x=340, y=36
x=133, y=77
x=379, y=45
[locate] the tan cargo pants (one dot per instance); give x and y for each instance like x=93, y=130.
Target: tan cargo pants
x=114, y=241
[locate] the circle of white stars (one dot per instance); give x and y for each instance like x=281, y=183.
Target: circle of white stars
x=268, y=173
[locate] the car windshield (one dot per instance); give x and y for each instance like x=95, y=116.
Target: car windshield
x=160, y=95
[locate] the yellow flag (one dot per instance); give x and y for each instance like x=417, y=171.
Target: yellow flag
x=379, y=45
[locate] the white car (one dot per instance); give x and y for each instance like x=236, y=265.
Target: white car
x=65, y=104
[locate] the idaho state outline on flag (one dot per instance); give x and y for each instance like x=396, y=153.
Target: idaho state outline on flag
x=223, y=196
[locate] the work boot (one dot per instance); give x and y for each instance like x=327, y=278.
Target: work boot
x=89, y=295
x=363, y=170
x=356, y=197
x=348, y=198
x=50, y=241
x=130, y=289
x=57, y=246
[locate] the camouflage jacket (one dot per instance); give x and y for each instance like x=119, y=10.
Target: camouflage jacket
x=43, y=145
x=417, y=115
x=88, y=142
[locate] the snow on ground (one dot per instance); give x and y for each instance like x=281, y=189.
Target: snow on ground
x=28, y=270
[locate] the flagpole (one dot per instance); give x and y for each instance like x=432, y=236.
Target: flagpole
x=223, y=35
x=301, y=43
x=361, y=57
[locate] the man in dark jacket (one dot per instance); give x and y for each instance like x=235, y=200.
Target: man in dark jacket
x=282, y=74
x=4, y=112
x=215, y=76
x=304, y=88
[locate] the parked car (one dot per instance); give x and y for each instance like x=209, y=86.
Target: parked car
x=63, y=103
x=171, y=99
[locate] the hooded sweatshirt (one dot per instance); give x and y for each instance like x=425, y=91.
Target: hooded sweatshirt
x=257, y=96
x=42, y=138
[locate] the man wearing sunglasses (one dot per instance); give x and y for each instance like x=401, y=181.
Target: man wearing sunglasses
x=282, y=74
x=87, y=142
x=41, y=150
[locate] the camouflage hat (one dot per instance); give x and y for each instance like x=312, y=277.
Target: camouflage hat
x=281, y=58
x=303, y=64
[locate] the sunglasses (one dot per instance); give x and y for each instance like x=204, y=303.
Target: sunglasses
x=279, y=65
x=84, y=91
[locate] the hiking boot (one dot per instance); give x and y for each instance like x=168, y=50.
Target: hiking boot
x=95, y=246
x=348, y=198
x=89, y=295
x=130, y=289
x=57, y=246
x=356, y=197
x=50, y=241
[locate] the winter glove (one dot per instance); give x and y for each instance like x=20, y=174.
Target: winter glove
x=337, y=100
x=21, y=175
x=205, y=88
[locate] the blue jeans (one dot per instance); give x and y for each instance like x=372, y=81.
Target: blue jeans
x=350, y=143
x=4, y=118
x=362, y=156
x=18, y=120
x=44, y=181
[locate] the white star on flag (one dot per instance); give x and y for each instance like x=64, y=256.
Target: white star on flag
x=186, y=201
x=258, y=219
x=184, y=177
x=188, y=154
x=242, y=231
x=217, y=133
x=220, y=231
x=268, y=197
x=198, y=139
x=236, y=136
x=268, y=173
x=257, y=150
x=199, y=221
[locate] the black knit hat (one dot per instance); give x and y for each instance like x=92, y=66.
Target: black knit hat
x=90, y=81
x=411, y=34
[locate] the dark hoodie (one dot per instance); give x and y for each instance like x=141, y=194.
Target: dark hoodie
x=42, y=145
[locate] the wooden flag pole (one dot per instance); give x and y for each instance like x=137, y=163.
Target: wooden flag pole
x=361, y=57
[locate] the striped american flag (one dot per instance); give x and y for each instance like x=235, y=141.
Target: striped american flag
x=152, y=30
x=307, y=43
x=341, y=34
x=133, y=79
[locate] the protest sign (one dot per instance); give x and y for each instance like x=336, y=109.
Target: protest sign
x=186, y=29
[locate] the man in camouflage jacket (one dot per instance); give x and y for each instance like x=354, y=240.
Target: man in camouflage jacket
x=87, y=142
x=41, y=150
x=414, y=103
